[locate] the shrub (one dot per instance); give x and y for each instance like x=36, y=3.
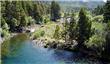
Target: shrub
x=56, y=33
x=46, y=20
x=98, y=18
x=5, y=26
x=4, y=33
x=38, y=34
x=14, y=22
x=95, y=40
x=30, y=20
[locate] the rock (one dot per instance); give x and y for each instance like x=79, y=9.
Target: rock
x=45, y=46
x=28, y=31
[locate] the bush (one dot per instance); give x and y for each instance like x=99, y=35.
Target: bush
x=5, y=33
x=5, y=26
x=2, y=21
x=95, y=40
x=14, y=22
x=46, y=20
x=98, y=18
x=30, y=20
x=38, y=34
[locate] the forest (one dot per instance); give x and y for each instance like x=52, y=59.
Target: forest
x=50, y=24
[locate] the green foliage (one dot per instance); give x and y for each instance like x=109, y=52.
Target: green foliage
x=30, y=20
x=106, y=52
x=14, y=23
x=72, y=29
x=24, y=21
x=108, y=25
x=2, y=21
x=107, y=11
x=5, y=33
x=98, y=18
x=84, y=27
x=98, y=27
x=46, y=20
x=55, y=11
x=57, y=33
x=5, y=26
x=37, y=13
x=95, y=41
x=38, y=34
x=106, y=15
x=22, y=13
x=99, y=10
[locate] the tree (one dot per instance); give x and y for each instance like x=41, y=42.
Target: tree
x=16, y=13
x=84, y=28
x=37, y=15
x=55, y=11
x=13, y=24
x=106, y=51
x=64, y=33
x=99, y=10
x=3, y=21
x=107, y=12
x=24, y=20
x=9, y=10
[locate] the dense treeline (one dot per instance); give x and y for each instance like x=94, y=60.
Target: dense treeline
x=18, y=14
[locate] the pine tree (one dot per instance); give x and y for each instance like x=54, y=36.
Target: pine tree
x=107, y=12
x=106, y=52
x=99, y=10
x=84, y=28
x=23, y=21
x=37, y=15
x=55, y=11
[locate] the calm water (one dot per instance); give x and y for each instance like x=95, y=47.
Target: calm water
x=20, y=50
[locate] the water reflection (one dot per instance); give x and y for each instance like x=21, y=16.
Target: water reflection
x=11, y=46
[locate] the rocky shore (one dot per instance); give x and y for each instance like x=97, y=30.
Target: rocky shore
x=56, y=44
x=62, y=45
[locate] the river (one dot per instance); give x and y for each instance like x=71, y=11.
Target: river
x=20, y=50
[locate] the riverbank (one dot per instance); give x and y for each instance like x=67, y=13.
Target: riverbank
x=2, y=39
x=47, y=41
x=56, y=44
x=62, y=45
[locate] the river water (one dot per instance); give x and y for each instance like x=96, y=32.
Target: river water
x=20, y=50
